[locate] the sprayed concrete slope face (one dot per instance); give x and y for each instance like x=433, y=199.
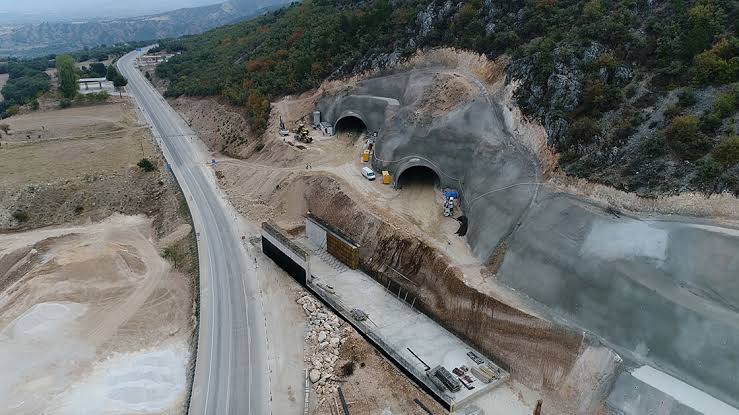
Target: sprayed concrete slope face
x=660, y=292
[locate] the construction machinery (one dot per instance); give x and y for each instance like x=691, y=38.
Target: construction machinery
x=283, y=130
x=450, y=196
x=302, y=134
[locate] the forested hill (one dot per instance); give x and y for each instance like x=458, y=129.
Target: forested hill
x=638, y=94
x=51, y=38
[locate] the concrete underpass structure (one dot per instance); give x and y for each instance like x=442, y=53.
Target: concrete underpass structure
x=661, y=291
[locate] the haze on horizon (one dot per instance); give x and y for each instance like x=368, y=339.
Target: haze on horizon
x=15, y=12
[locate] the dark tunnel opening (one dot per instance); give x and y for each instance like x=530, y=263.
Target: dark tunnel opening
x=351, y=124
x=419, y=176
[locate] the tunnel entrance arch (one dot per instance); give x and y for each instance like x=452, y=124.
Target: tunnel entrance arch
x=418, y=175
x=350, y=122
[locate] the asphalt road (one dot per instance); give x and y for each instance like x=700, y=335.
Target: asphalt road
x=231, y=374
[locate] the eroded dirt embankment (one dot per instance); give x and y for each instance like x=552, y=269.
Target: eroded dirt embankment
x=571, y=371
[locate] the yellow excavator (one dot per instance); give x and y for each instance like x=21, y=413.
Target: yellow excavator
x=302, y=134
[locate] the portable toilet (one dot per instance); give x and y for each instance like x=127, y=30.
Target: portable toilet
x=316, y=118
x=365, y=156
x=385, y=177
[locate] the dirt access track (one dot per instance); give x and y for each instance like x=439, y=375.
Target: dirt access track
x=660, y=290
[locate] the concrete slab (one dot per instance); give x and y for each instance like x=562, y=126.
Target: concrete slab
x=399, y=329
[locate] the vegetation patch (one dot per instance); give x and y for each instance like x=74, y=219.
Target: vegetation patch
x=593, y=72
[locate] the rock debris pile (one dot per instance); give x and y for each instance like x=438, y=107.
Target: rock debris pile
x=325, y=335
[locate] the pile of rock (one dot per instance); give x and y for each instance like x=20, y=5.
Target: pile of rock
x=325, y=334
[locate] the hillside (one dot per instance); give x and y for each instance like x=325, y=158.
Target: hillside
x=639, y=95
x=48, y=38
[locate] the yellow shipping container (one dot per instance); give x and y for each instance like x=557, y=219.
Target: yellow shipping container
x=365, y=156
x=385, y=177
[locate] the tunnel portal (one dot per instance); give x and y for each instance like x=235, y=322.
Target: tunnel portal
x=419, y=175
x=350, y=123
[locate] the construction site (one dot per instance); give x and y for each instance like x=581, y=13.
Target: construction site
x=97, y=272
x=588, y=300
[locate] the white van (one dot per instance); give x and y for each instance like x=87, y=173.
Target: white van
x=368, y=173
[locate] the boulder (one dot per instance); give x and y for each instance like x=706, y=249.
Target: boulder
x=309, y=306
x=321, y=336
x=556, y=128
x=314, y=375
x=564, y=92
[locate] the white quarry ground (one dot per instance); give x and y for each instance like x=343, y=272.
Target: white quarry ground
x=144, y=382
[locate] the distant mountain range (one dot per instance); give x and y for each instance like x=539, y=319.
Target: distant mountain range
x=45, y=38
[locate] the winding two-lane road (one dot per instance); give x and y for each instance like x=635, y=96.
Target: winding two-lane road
x=231, y=374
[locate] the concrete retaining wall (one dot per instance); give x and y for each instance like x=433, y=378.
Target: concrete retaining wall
x=542, y=355
x=335, y=241
x=293, y=259
x=316, y=233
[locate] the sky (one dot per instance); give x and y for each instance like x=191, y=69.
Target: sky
x=19, y=11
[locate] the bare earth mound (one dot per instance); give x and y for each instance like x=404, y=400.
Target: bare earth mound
x=93, y=313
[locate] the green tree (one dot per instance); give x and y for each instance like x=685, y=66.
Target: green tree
x=111, y=74
x=704, y=22
x=67, y=73
x=119, y=82
x=98, y=69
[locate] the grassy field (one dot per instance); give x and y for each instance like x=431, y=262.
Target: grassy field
x=71, y=143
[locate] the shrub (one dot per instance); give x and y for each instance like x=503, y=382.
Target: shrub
x=146, y=165
x=65, y=103
x=347, y=369
x=685, y=138
x=34, y=104
x=673, y=111
x=717, y=65
x=173, y=254
x=654, y=146
x=709, y=122
x=259, y=146
x=20, y=216
x=726, y=103
x=12, y=110
x=630, y=91
x=687, y=98
x=727, y=151
x=583, y=130
x=92, y=98
x=708, y=170
x=646, y=100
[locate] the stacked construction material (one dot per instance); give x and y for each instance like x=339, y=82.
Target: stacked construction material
x=485, y=373
x=446, y=378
